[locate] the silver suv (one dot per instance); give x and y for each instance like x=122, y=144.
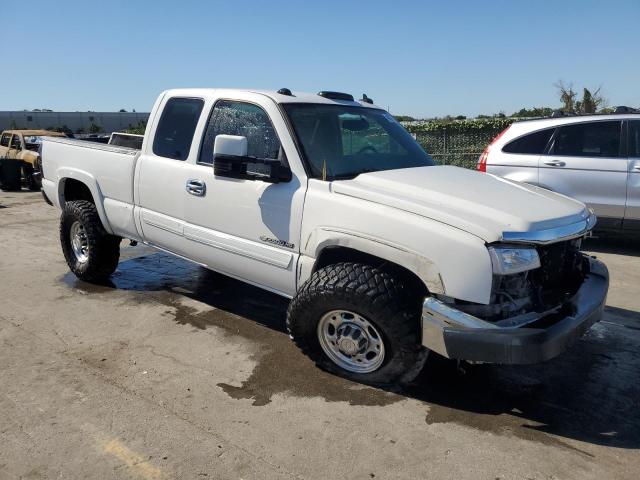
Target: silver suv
x=594, y=158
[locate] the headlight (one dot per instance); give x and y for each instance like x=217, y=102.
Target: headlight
x=509, y=260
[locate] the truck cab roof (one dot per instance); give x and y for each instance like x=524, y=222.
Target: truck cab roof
x=295, y=97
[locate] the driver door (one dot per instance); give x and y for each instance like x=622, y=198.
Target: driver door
x=248, y=229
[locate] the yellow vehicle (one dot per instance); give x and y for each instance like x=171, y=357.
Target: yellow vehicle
x=23, y=145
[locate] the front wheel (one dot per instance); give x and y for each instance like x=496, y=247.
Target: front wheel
x=360, y=322
x=91, y=253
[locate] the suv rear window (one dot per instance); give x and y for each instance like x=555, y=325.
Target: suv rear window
x=595, y=139
x=532, y=144
x=176, y=128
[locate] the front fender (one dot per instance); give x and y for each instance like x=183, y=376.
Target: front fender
x=323, y=237
x=91, y=183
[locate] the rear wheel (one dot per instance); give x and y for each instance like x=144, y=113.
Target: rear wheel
x=360, y=322
x=91, y=253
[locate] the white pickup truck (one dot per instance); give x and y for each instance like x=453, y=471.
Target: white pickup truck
x=330, y=202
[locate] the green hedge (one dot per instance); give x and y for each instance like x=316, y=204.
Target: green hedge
x=457, y=142
x=488, y=125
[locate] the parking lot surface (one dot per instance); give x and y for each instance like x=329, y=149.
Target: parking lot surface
x=172, y=371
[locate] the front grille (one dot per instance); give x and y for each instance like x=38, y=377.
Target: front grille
x=560, y=273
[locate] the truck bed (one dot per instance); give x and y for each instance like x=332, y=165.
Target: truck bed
x=113, y=165
x=107, y=170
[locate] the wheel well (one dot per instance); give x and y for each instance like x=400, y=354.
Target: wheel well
x=331, y=255
x=76, y=190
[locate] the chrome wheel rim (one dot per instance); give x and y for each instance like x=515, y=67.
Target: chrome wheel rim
x=351, y=341
x=79, y=242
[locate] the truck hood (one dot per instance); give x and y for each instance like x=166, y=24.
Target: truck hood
x=479, y=203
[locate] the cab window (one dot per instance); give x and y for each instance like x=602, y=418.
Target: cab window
x=230, y=117
x=176, y=127
x=4, y=140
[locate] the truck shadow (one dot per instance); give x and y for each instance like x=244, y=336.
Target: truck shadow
x=591, y=393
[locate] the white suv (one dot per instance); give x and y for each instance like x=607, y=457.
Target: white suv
x=594, y=158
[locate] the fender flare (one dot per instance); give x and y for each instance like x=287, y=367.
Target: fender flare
x=322, y=237
x=91, y=183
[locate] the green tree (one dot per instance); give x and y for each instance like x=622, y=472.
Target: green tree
x=533, y=112
x=138, y=129
x=93, y=128
x=590, y=102
x=404, y=118
x=567, y=96
x=64, y=129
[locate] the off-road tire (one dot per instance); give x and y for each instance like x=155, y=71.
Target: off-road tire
x=381, y=298
x=104, y=249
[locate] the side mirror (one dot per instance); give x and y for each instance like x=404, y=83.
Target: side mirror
x=230, y=160
x=230, y=145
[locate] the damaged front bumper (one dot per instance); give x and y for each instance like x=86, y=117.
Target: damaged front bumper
x=458, y=335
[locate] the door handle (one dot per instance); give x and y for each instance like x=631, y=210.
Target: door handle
x=196, y=187
x=555, y=163
x=636, y=168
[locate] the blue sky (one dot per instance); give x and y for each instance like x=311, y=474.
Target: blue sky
x=418, y=58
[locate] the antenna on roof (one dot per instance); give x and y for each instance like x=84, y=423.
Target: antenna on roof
x=285, y=91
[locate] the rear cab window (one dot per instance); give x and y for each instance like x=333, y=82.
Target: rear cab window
x=593, y=139
x=4, y=140
x=176, y=127
x=532, y=144
x=234, y=117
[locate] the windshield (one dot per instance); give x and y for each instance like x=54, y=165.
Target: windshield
x=343, y=141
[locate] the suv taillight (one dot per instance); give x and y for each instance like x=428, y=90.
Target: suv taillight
x=482, y=161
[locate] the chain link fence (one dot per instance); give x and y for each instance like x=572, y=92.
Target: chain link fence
x=461, y=149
